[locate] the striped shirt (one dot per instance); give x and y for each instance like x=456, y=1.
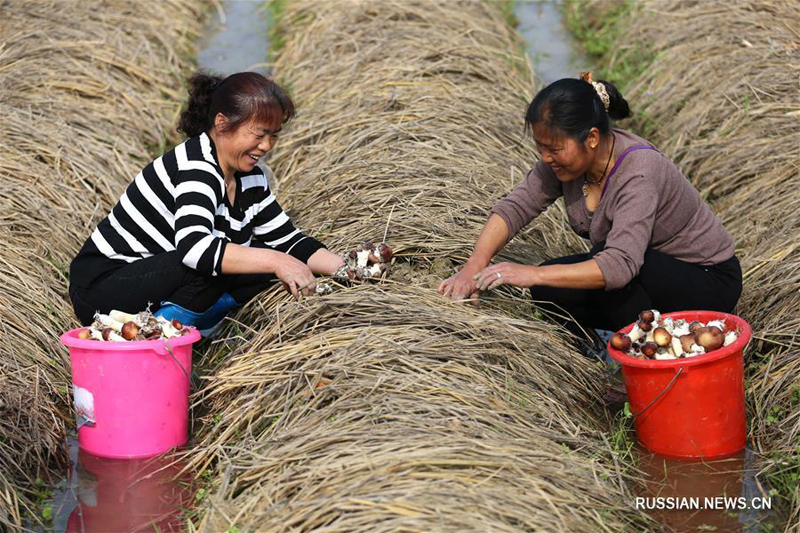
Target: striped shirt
x=179, y=202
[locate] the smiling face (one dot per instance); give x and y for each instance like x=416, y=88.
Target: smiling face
x=239, y=150
x=569, y=159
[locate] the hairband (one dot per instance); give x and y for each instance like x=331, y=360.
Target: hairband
x=598, y=87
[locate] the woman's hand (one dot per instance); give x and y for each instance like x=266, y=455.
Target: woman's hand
x=461, y=285
x=514, y=274
x=297, y=278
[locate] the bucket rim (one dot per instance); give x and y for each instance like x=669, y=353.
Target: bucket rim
x=70, y=339
x=742, y=327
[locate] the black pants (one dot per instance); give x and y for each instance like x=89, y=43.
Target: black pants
x=159, y=278
x=663, y=283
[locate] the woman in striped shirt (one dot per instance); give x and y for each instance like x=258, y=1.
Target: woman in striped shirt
x=198, y=231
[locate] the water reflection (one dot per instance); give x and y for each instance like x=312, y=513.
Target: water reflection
x=719, y=495
x=128, y=495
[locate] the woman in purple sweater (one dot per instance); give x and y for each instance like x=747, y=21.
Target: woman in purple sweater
x=655, y=243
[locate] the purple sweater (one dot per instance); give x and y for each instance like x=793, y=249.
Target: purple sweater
x=647, y=202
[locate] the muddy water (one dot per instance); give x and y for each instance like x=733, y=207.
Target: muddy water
x=719, y=495
x=106, y=495
x=554, y=51
x=236, y=38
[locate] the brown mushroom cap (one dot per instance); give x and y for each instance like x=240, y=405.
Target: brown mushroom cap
x=645, y=326
x=662, y=337
x=621, y=342
x=687, y=341
x=85, y=334
x=649, y=349
x=385, y=252
x=647, y=316
x=694, y=326
x=710, y=338
x=129, y=330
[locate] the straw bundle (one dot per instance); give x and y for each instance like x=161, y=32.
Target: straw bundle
x=83, y=101
x=429, y=128
x=391, y=408
x=376, y=409
x=721, y=98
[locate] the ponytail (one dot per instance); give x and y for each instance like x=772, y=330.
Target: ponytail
x=194, y=119
x=618, y=108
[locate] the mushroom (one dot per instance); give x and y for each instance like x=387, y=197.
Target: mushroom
x=122, y=316
x=385, y=252
x=687, y=341
x=129, y=330
x=177, y=324
x=621, y=342
x=647, y=316
x=645, y=326
x=363, y=258
x=730, y=338
x=107, y=322
x=677, y=346
x=663, y=355
x=710, y=338
x=636, y=333
x=694, y=326
x=662, y=337
x=649, y=349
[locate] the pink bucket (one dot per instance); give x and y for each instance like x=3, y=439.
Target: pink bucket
x=131, y=398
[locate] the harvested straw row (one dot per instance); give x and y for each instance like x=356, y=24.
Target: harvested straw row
x=376, y=409
x=85, y=93
x=429, y=128
x=722, y=93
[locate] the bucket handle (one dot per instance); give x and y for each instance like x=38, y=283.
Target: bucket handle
x=167, y=349
x=660, y=394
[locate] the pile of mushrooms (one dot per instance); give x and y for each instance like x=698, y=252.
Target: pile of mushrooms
x=654, y=338
x=120, y=326
x=366, y=262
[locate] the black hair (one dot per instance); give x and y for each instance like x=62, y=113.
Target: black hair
x=572, y=107
x=240, y=97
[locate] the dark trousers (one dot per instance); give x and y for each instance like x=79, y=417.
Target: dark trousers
x=162, y=278
x=663, y=283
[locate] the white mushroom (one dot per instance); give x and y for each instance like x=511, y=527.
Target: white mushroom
x=730, y=338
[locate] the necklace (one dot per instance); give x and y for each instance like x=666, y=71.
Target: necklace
x=586, y=182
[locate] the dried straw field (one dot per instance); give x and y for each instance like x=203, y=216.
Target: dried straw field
x=721, y=97
x=86, y=94
x=386, y=407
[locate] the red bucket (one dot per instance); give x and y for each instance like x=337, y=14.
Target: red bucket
x=691, y=407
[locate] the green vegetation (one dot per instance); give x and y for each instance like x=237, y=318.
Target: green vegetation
x=600, y=36
x=622, y=435
x=506, y=8
x=276, y=36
